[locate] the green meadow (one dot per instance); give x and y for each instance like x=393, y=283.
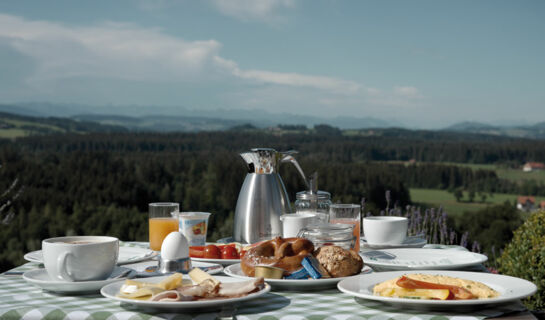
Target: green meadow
x=436, y=198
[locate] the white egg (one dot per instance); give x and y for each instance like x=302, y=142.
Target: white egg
x=175, y=247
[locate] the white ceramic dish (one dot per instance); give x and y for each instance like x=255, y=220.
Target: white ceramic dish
x=41, y=279
x=223, y=262
x=421, y=259
x=510, y=288
x=288, y=284
x=110, y=291
x=126, y=255
x=409, y=242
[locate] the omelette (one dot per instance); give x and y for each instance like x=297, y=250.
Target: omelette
x=437, y=287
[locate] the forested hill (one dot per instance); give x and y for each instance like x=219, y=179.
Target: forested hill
x=12, y=126
x=101, y=183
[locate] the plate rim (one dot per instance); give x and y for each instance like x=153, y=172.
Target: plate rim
x=67, y=286
x=180, y=304
x=416, y=244
x=224, y=262
x=149, y=256
x=383, y=276
x=306, y=283
x=395, y=267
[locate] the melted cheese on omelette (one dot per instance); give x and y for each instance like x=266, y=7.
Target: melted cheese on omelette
x=479, y=290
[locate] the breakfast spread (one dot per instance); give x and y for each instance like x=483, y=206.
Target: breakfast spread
x=298, y=260
x=202, y=286
x=436, y=287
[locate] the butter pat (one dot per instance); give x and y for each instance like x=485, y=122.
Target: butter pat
x=298, y=274
x=314, y=268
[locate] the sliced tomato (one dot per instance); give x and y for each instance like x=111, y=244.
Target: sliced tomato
x=212, y=252
x=196, y=252
x=458, y=293
x=228, y=252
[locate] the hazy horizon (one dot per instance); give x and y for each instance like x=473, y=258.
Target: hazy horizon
x=423, y=64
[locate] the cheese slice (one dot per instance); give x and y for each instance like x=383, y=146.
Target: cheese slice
x=198, y=276
x=141, y=290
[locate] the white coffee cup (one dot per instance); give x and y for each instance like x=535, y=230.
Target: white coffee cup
x=385, y=229
x=292, y=223
x=80, y=258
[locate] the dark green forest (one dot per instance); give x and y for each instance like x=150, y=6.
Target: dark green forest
x=101, y=183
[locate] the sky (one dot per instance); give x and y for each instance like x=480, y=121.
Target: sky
x=420, y=63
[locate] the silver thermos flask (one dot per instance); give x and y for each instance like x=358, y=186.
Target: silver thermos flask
x=263, y=197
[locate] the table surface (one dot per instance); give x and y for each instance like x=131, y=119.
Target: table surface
x=20, y=300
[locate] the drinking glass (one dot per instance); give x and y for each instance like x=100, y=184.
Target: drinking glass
x=161, y=222
x=348, y=214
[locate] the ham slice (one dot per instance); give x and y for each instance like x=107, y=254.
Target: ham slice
x=235, y=289
x=170, y=296
x=208, y=290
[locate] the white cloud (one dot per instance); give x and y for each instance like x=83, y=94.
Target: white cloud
x=247, y=10
x=407, y=92
x=110, y=52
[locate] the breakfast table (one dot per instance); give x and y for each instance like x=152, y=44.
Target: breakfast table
x=21, y=300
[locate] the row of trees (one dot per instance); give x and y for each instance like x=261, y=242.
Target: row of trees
x=102, y=183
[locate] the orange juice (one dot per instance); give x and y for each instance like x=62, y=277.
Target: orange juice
x=159, y=228
x=356, y=224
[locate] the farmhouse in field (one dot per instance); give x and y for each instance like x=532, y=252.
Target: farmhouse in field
x=533, y=166
x=526, y=203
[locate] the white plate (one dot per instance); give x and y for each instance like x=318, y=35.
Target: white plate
x=289, y=284
x=510, y=289
x=421, y=259
x=223, y=262
x=40, y=278
x=110, y=291
x=409, y=242
x=126, y=255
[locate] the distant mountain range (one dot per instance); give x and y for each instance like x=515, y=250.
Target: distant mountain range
x=171, y=119
x=536, y=131
x=152, y=118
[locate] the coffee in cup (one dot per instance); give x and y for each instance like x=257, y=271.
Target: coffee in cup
x=381, y=230
x=80, y=258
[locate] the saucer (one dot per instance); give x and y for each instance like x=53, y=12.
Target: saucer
x=409, y=242
x=126, y=255
x=40, y=278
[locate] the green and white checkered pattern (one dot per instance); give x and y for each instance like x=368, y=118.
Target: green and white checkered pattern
x=20, y=300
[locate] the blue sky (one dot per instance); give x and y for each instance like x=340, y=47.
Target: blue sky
x=421, y=63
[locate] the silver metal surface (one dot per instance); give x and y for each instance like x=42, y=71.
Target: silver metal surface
x=181, y=265
x=261, y=202
x=263, y=197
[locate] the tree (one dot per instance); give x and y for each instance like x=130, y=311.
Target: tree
x=458, y=194
x=471, y=195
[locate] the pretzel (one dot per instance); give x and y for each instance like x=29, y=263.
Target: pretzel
x=281, y=253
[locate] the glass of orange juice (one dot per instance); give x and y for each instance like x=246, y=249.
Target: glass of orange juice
x=161, y=222
x=347, y=214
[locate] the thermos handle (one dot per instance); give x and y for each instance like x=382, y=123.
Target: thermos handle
x=287, y=157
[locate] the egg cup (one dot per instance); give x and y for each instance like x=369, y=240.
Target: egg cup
x=182, y=265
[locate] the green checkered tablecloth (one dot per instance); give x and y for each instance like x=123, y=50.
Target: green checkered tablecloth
x=19, y=300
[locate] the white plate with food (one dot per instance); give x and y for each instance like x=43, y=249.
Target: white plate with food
x=40, y=278
x=126, y=255
x=112, y=291
x=504, y=288
x=421, y=259
x=235, y=271
x=409, y=242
